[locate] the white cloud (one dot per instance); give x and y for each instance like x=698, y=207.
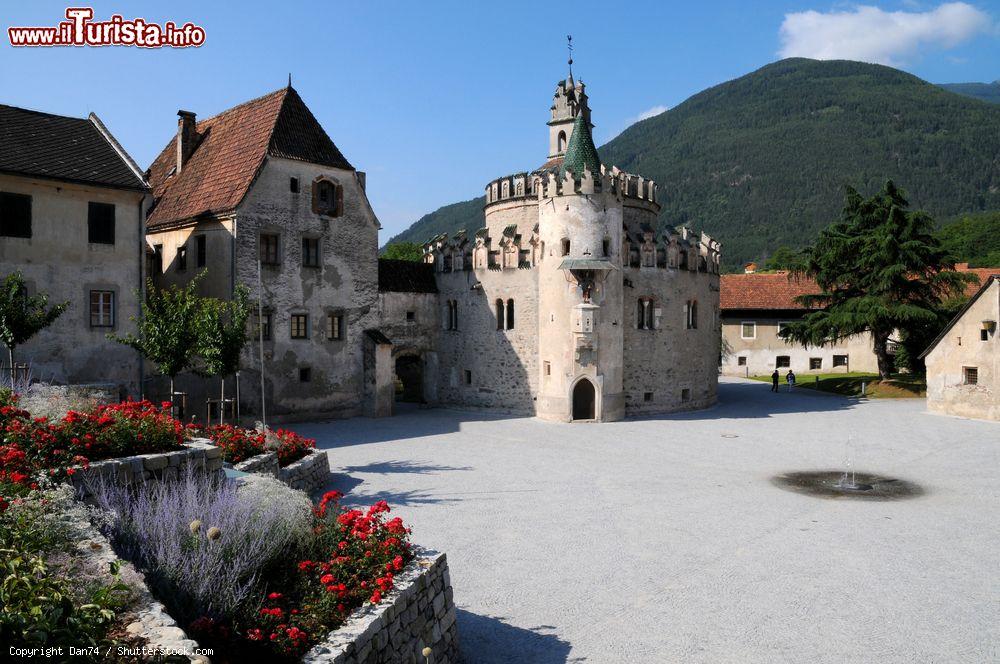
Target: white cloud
x=648, y=113
x=871, y=34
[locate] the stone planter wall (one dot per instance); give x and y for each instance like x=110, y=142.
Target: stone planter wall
x=199, y=454
x=418, y=613
x=266, y=464
x=308, y=474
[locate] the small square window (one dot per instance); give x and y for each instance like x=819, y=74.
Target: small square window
x=293, y=185
x=548, y=368
x=310, y=252
x=647, y=396
x=15, y=215
x=782, y=361
x=840, y=360
x=970, y=375
x=741, y=361
x=102, y=308
x=815, y=363
x=305, y=374
x=468, y=377
x=335, y=327
x=411, y=316
x=685, y=394
x=100, y=223
x=200, y=252
x=181, y=262
x=748, y=330
x=269, y=248
x=300, y=326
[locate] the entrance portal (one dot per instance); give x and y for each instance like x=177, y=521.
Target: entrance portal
x=410, y=379
x=584, y=401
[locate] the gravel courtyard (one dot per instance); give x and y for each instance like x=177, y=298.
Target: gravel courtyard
x=665, y=540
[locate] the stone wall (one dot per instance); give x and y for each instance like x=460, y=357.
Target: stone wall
x=419, y=613
x=198, y=454
x=308, y=474
x=265, y=464
x=54, y=401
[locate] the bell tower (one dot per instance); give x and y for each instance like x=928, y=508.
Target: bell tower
x=569, y=101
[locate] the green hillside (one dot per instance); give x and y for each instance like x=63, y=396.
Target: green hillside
x=974, y=238
x=986, y=91
x=761, y=161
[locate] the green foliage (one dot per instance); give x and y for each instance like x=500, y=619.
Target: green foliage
x=170, y=329
x=224, y=332
x=989, y=92
x=974, y=238
x=403, y=251
x=880, y=269
x=22, y=316
x=760, y=161
x=784, y=258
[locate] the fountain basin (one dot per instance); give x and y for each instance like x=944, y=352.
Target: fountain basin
x=837, y=484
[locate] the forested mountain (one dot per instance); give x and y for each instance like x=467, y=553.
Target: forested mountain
x=762, y=160
x=986, y=91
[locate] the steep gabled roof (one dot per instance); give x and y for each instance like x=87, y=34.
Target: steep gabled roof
x=982, y=289
x=230, y=150
x=61, y=148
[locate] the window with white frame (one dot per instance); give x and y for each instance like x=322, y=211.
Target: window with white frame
x=748, y=330
x=102, y=308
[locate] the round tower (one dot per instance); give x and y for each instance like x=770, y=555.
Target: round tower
x=580, y=334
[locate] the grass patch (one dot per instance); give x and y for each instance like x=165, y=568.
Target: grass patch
x=849, y=384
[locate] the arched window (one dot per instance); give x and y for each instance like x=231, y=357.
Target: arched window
x=510, y=314
x=565, y=246
x=692, y=314
x=562, y=141
x=500, y=320
x=645, y=313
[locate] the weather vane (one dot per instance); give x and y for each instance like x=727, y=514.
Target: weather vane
x=569, y=47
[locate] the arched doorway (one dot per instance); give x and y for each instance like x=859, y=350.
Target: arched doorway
x=584, y=400
x=410, y=379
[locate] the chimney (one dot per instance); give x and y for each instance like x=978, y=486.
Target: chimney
x=361, y=179
x=187, y=136
x=749, y=268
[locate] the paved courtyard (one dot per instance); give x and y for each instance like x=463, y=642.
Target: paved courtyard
x=664, y=540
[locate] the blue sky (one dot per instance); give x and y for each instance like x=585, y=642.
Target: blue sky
x=433, y=99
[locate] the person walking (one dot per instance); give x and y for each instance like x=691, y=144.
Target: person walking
x=790, y=379
x=775, y=377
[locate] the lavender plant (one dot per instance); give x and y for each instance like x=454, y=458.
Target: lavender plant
x=205, y=543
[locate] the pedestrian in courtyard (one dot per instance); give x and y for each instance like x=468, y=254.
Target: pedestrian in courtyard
x=790, y=379
x=775, y=377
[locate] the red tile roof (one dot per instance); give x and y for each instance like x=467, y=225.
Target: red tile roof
x=231, y=148
x=778, y=290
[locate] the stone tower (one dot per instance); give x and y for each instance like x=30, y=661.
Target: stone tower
x=569, y=102
x=580, y=333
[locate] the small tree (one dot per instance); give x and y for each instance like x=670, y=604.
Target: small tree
x=404, y=251
x=22, y=316
x=881, y=269
x=784, y=258
x=170, y=329
x=224, y=336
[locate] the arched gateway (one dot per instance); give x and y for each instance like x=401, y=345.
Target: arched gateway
x=584, y=400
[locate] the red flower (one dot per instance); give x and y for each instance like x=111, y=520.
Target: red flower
x=255, y=634
x=376, y=597
x=275, y=596
x=326, y=579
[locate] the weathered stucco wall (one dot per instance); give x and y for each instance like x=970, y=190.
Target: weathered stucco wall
x=218, y=279
x=59, y=260
x=962, y=346
x=671, y=367
x=762, y=350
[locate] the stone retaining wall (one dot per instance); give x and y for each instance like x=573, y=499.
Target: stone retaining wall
x=308, y=474
x=419, y=613
x=199, y=454
x=266, y=464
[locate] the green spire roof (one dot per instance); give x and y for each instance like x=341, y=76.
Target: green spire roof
x=581, y=151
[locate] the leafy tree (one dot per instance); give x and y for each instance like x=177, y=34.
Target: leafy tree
x=22, y=316
x=974, y=238
x=170, y=329
x=404, y=251
x=784, y=258
x=880, y=269
x=224, y=336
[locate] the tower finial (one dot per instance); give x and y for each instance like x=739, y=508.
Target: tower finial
x=289, y=79
x=569, y=47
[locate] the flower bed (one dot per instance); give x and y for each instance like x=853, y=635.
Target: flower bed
x=308, y=474
x=239, y=444
x=250, y=580
x=29, y=446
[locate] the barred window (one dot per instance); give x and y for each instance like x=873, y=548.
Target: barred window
x=783, y=361
x=840, y=360
x=102, y=308
x=970, y=375
x=300, y=326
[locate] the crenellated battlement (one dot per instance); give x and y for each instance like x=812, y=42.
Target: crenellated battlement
x=549, y=184
x=675, y=248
